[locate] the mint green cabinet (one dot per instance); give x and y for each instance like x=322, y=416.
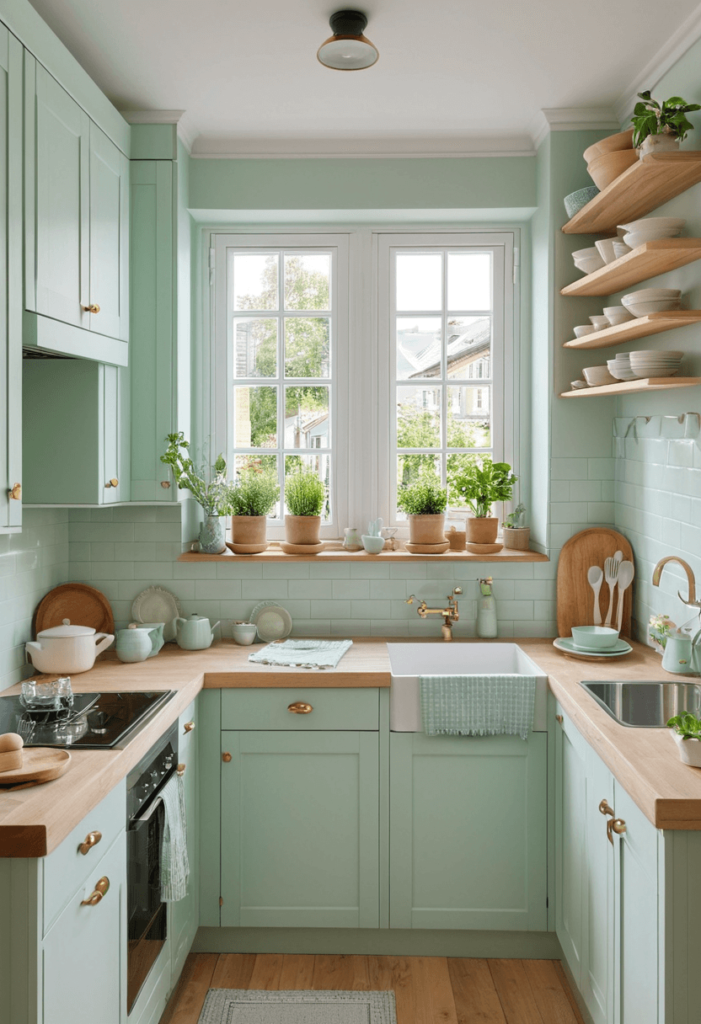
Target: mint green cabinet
x=76, y=227
x=184, y=915
x=11, y=56
x=598, y=981
x=300, y=830
x=75, y=432
x=468, y=833
x=570, y=876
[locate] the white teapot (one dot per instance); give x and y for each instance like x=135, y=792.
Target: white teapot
x=66, y=650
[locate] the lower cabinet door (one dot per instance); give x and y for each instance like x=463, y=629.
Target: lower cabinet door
x=300, y=835
x=597, y=985
x=570, y=863
x=468, y=832
x=84, y=952
x=184, y=913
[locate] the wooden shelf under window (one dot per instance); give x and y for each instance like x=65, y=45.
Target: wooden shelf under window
x=641, y=327
x=630, y=387
x=337, y=554
x=649, y=183
x=649, y=260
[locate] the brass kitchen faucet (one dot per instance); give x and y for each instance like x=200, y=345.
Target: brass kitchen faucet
x=450, y=614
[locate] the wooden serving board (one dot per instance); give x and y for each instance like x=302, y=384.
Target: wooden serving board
x=575, y=598
x=83, y=605
x=39, y=764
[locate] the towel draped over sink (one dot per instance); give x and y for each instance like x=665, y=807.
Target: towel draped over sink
x=486, y=705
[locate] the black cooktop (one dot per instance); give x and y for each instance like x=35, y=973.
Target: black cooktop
x=93, y=720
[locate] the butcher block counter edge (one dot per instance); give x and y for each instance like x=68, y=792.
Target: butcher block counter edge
x=33, y=822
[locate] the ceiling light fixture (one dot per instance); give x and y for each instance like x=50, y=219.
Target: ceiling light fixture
x=348, y=49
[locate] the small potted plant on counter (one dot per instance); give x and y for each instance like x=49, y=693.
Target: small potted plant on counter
x=479, y=485
x=305, y=496
x=660, y=128
x=516, y=534
x=424, y=504
x=208, y=486
x=250, y=500
x=687, y=733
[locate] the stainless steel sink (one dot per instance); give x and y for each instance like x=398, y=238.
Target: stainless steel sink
x=647, y=705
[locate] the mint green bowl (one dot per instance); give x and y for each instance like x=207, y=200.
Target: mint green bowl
x=594, y=638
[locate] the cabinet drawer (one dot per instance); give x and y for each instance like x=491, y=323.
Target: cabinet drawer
x=341, y=709
x=66, y=869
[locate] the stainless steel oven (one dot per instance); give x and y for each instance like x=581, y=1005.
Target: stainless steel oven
x=147, y=913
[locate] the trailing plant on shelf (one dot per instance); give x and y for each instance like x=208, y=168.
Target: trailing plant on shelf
x=305, y=497
x=206, y=483
x=249, y=500
x=424, y=503
x=479, y=485
x=655, y=121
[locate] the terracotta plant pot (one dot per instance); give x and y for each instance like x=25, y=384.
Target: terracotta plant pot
x=427, y=529
x=517, y=538
x=482, y=531
x=302, y=529
x=249, y=532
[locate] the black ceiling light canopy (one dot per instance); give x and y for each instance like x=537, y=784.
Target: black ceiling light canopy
x=348, y=49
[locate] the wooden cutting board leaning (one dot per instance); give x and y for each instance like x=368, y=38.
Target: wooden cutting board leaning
x=575, y=597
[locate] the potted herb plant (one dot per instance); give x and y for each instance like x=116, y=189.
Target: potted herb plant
x=424, y=504
x=305, y=495
x=207, y=484
x=479, y=485
x=660, y=127
x=687, y=733
x=250, y=500
x=516, y=534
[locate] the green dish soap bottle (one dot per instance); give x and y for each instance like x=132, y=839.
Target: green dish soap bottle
x=486, y=610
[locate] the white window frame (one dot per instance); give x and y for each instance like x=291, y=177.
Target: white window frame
x=224, y=245
x=504, y=404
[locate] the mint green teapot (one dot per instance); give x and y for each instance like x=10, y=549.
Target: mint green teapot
x=194, y=633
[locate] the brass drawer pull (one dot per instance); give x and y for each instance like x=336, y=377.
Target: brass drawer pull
x=91, y=839
x=180, y=770
x=300, y=708
x=113, y=482
x=226, y=757
x=189, y=726
x=165, y=484
x=16, y=492
x=619, y=826
x=606, y=808
x=559, y=719
x=92, y=308
x=100, y=889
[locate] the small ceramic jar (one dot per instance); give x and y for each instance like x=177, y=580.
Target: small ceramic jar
x=133, y=644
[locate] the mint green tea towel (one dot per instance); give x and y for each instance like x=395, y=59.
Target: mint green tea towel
x=303, y=653
x=477, y=705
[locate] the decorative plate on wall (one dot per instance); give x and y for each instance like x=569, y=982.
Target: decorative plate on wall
x=156, y=604
x=273, y=622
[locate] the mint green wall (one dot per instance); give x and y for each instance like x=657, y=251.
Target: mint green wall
x=658, y=480
x=347, y=184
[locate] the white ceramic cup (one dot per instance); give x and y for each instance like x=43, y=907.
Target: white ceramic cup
x=244, y=633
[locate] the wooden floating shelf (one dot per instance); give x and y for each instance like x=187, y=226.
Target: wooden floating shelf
x=337, y=554
x=641, y=327
x=648, y=260
x=646, y=185
x=630, y=387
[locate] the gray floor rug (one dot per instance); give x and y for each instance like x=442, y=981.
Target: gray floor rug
x=241, y=1006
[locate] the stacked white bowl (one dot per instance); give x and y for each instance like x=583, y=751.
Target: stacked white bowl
x=598, y=376
x=588, y=260
x=652, y=300
x=617, y=315
x=655, y=364
x=620, y=367
x=649, y=229
x=600, y=322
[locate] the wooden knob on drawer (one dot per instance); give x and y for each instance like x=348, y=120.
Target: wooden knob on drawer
x=189, y=726
x=113, y=482
x=100, y=889
x=226, y=757
x=165, y=484
x=15, y=492
x=559, y=719
x=92, y=308
x=300, y=708
x=91, y=839
x=180, y=770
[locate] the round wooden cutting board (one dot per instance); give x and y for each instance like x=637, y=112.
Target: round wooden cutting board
x=83, y=605
x=575, y=598
x=39, y=764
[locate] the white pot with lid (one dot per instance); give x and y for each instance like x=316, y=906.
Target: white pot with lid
x=67, y=649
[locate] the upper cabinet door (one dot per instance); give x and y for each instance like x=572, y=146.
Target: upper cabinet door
x=58, y=242
x=109, y=234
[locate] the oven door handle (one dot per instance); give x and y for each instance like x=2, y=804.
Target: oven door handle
x=147, y=814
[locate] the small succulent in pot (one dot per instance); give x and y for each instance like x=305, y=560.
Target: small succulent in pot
x=661, y=126
x=424, y=504
x=250, y=500
x=208, y=486
x=479, y=485
x=687, y=733
x=305, y=497
x=515, y=532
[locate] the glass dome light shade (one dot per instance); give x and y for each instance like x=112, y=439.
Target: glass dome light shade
x=348, y=53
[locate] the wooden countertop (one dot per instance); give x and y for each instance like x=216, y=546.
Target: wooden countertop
x=645, y=761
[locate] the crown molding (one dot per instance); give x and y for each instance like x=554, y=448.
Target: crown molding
x=345, y=146
x=676, y=46
x=187, y=133
x=571, y=119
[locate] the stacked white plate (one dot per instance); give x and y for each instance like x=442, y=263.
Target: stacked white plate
x=620, y=367
x=655, y=364
x=588, y=260
x=652, y=300
x=649, y=229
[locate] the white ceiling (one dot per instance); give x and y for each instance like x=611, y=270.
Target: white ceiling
x=451, y=74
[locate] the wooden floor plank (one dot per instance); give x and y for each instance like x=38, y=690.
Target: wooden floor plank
x=514, y=991
x=564, y=982
x=195, y=981
x=433, y=993
x=333, y=972
x=394, y=973
x=476, y=999
x=361, y=974
x=297, y=972
x=266, y=972
x=550, y=997
x=233, y=970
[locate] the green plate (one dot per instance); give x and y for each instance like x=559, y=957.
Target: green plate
x=568, y=646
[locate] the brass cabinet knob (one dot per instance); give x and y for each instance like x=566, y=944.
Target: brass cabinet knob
x=181, y=769
x=15, y=492
x=100, y=889
x=300, y=708
x=113, y=482
x=226, y=757
x=619, y=826
x=92, y=308
x=559, y=719
x=91, y=839
x=189, y=726
x=165, y=484
x=606, y=808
